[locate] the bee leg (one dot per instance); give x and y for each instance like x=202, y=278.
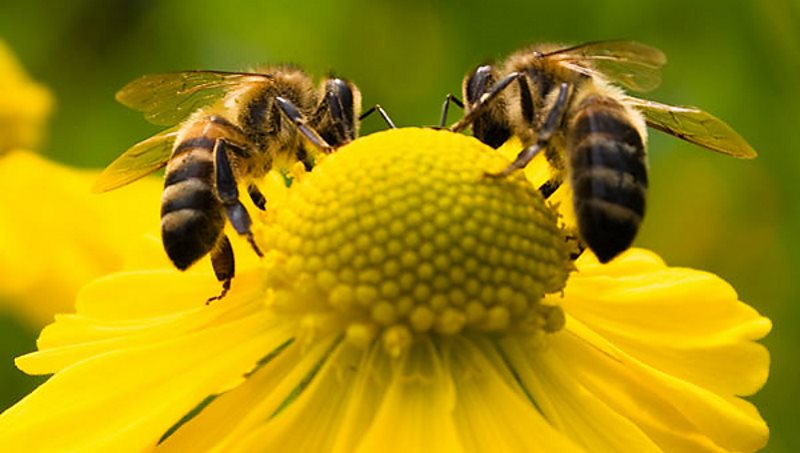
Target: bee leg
x=381, y=112
x=224, y=266
x=554, y=118
x=483, y=102
x=558, y=172
x=258, y=198
x=304, y=157
x=549, y=187
x=228, y=193
x=301, y=122
x=446, y=106
x=578, y=249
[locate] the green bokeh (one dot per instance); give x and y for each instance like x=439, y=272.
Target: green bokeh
x=737, y=59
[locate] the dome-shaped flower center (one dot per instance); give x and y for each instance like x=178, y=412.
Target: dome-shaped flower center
x=399, y=233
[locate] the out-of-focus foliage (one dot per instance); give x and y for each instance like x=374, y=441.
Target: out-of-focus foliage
x=738, y=60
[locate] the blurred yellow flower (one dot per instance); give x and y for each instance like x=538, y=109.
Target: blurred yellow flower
x=24, y=105
x=405, y=304
x=56, y=236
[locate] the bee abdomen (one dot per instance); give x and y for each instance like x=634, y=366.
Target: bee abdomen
x=609, y=178
x=191, y=214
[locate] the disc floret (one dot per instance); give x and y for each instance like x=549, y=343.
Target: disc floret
x=398, y=238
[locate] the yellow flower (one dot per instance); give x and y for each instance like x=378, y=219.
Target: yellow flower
x=405, y=304
x=44, y=266
x=56, y=236
x=24, y=105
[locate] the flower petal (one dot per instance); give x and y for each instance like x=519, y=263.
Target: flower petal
x=228, y=423
x=94, y=330
x=568, y=406
x=416, y=412
x=319, y=406
x=93, y=236
x=367, y=391
x=684, y=322
x=490, y=414
x=676, y=414
x=135, y=393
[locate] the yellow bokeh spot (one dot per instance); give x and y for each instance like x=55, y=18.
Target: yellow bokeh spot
x=24, y=105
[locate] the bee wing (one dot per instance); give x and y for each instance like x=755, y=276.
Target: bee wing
x=137, y=162
x=695, y=126
x=167, y=99
x=634, y=65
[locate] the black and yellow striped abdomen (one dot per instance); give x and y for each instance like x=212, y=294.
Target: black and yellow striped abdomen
x=608, y=172
x=192, y=218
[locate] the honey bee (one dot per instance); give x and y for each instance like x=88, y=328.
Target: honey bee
x=564, y=100
x=227, y=128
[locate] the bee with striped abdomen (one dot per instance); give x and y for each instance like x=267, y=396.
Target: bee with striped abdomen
x=227, y=128
x=562, y=100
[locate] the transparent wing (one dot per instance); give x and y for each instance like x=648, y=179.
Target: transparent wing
x=167, y=99
x=634, y=65
x=694, y=126
x=137, y=162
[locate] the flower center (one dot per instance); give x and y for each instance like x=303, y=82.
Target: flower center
x=400, y=233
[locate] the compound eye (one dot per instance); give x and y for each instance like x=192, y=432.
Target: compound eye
x=340, y=93
x=478, y=83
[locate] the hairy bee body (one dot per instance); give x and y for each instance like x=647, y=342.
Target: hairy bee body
x=561, y=100
x=255, y=111
x=607, y=171
x=602, y=145
x=529, y=100
x=231, y=129
x=192, y=215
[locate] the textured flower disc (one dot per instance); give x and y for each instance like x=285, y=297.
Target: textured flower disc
x=395, y=236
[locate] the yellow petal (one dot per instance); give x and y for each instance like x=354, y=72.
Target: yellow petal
x=311, y=421
x=676, y=414
x=684, y=322
x=95, y=330
x=490, y=414
x=228, y=424
x=416, y=413
x=215, y=427
x=568, y=407
x=94, y=234
x=136, y=393
x=366, y=395
x=149, y=294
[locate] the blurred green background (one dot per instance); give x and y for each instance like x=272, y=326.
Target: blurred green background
x=739, y=60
